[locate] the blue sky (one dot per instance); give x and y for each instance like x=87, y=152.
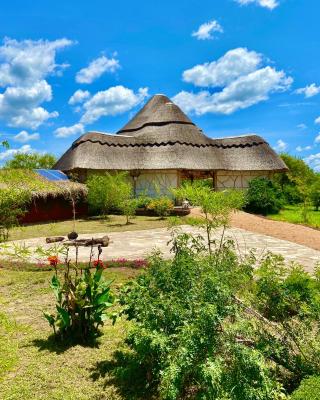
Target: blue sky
x=235, y=66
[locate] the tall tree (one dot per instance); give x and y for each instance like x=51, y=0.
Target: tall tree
x=31, y=161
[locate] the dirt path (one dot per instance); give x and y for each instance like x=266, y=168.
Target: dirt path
x=282, y=230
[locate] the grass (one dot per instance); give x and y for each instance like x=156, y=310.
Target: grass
x=94, y=225
x=293, y=214
x=33, y=365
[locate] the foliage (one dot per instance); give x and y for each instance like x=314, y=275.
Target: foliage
x=109, y=192
x=161, y=206
x=12, y=207
x=308, y=390
x=5, y=144
x=82, y=299
x=315, y=192
x=263, y=197
x=186, y=332
x=31, y=161
x=143, y=200
x=216, y=207
x=128, y=207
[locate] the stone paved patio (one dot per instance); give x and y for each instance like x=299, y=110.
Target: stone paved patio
x=136, y=244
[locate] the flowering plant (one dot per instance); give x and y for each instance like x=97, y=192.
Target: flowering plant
x=82, y=298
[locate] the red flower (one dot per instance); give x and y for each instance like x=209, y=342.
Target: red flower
x=53, y=261
x=98, y=263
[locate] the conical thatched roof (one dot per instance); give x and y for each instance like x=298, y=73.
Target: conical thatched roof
x=161, y=136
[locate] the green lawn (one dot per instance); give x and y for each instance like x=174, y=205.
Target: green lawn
x=34, y=366
x=96, y=225
x=293, y=214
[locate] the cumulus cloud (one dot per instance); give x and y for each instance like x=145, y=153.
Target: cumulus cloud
x=79, y=96
x=239, y=80
x=306, y=148
x=28, y=61
x=24, y=65
x=317, y=121
x=281, y=146
x=309, y=90
x=206, y=30
x=96, y=68
x=19, y=106
x=24, y=137
x=113, y=101
x=66, y=131
x=234, y=64
x=11, y=152
x=270, y=4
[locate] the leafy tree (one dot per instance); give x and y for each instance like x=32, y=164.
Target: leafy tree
x=5, y=144
x=110, y=192
x=263, y=197
x=216, y=207
x=31, y=161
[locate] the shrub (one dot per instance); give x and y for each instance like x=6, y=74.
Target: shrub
x=82, y=298
x=308, y=390
x=109, y=192
x=161, y=206
x=315, y=193
x=263, y=197
x=12, y=207
x=128, y=207
x=143, y=201
x=184, y=334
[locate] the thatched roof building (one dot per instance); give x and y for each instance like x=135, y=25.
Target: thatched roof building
x=161, y=142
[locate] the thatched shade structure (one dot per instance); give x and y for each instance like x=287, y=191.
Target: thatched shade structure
x=49, y=200
x=161, y=144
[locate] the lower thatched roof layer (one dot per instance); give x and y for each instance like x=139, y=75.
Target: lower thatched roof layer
x=162, y=151
x=38, y=186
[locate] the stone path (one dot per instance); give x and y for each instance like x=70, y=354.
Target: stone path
x=137, y=244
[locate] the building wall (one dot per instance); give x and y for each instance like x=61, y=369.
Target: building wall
x=153, y=181
x=238, y=179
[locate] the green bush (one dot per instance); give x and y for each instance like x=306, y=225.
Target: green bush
x=308, y=390
x=110, y=192
x=263, y=197
x=12, y=207
x=184, y=334
x=161, y=206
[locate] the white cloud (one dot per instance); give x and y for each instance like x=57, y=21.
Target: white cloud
x=24, y=137
x=28, y=61
x=19, y=106
x=79, y=96
x=66, y=131
x=270, y=4
x=243, y=92
x=309, y=91
x=314, y=161
x=317, y=121
x=113, y=101
x=23, y=67
x=11, y=152
x=96, y=68
x=234, y=64
x=206, y=30
x=306, y=148
x=317, y=139
x=302, y=126
x=281, y=146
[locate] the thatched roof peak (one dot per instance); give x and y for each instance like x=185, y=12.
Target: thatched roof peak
x=158, y=111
